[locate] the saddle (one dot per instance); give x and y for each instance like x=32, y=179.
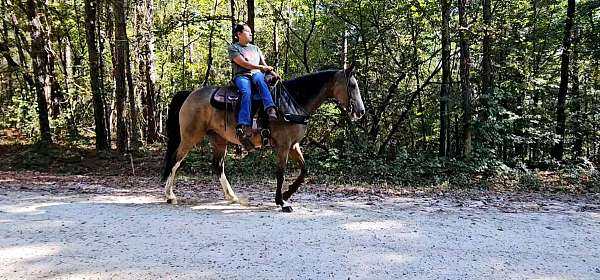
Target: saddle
x=227, y=97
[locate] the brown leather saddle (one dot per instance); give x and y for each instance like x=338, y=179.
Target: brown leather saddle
x=227, y=97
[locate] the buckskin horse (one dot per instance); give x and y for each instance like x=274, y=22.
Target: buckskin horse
x=192, y=117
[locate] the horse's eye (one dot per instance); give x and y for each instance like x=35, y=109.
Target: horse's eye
x=352, y=86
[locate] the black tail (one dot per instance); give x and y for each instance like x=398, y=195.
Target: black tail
x=173, y=132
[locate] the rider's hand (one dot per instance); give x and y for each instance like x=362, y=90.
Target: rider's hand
x=266, y=68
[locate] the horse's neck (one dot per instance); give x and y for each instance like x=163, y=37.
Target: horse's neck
x=314, y=104
x=311, y=91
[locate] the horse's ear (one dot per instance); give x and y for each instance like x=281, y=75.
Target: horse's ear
x=350, y=70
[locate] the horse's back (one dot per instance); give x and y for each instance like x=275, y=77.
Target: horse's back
x=196, y=109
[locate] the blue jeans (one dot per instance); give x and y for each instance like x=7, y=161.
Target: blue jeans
x=244, y=85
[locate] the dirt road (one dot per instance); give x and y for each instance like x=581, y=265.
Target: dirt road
x=49, y=235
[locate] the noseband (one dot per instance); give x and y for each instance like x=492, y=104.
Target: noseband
x=351, y=101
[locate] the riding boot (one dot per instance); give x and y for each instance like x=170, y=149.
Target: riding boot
x=244, y=134
x=272, y=113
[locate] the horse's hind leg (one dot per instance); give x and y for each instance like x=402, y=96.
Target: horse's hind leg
x=296, y=155
x=219, y=151
x=182, y=151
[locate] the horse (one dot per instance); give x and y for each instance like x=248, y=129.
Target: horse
x=191, y=117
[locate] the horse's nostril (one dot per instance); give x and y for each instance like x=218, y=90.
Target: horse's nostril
x=361, y=112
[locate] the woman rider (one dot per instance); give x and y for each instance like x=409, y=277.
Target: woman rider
x=248, y=67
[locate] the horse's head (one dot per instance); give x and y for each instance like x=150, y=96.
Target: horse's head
x=347, y=93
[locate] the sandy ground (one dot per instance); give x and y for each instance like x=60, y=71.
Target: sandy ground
x=74, y=235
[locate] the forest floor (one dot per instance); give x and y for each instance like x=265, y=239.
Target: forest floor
x=67, y=213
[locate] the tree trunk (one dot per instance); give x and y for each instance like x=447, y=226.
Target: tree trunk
x=134, y=142
x=416, y=65
x=150, y=107
x=558, y=149
x=120, y=55
x=90, y=30
x=275, y=46
x=445, y=87
x=486, y=62
x=465, y=79
x=209, y=58
x=233, y=20
x=39, y=58
x=345, y=49
x=109, y=94
x=250, y=21
x=576, y=110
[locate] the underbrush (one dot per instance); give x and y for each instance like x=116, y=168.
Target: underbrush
x=332, y=166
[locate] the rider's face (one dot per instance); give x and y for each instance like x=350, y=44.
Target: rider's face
x=245, y=35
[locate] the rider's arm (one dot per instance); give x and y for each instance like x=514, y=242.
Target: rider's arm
x=239, y=60
x=262, y=61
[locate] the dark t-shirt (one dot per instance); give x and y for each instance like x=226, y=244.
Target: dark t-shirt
x=249, y=52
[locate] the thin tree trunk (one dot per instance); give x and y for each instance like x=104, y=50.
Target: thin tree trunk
x=445, y=87
x=558, y=149
x=151, y=95
x=209, y=58
x=120, y=75
x=576, y=110
x=416, y=65
x=39, y=58
x=286, y=61
x=233, y=20
x=250, y=21
x=134, y=142
x=465, y=79
x=345, y=49
x=111, y=100
x=90, y=28
x=486, y=62
x=275, y=45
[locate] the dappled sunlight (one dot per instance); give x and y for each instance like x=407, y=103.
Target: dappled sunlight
x=28, y=252
x=595, y=216
x=30, y=209
x=123, y=199
x=379, y=225
x=375, y=265
x=393, y=228
x=544, y=277
x=229, y=208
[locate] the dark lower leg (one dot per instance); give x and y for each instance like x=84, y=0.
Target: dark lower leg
x=278, y=196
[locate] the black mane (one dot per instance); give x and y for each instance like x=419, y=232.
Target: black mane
x=306, y=88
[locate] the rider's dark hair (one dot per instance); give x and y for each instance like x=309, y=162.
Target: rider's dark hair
x=237, y=29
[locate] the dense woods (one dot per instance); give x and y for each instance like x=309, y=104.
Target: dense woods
x=478, y=84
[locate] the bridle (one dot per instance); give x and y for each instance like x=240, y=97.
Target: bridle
x=351, y=101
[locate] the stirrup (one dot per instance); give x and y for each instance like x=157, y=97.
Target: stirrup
x=240, y=133
x=265, y=135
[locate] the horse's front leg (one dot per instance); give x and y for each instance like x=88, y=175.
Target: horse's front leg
x=296, y=155
x=282, y=157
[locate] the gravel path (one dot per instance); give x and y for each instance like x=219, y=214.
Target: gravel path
x=101, y=236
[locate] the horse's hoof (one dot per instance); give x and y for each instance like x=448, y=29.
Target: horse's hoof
x=171, y=201
x=287, y=209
